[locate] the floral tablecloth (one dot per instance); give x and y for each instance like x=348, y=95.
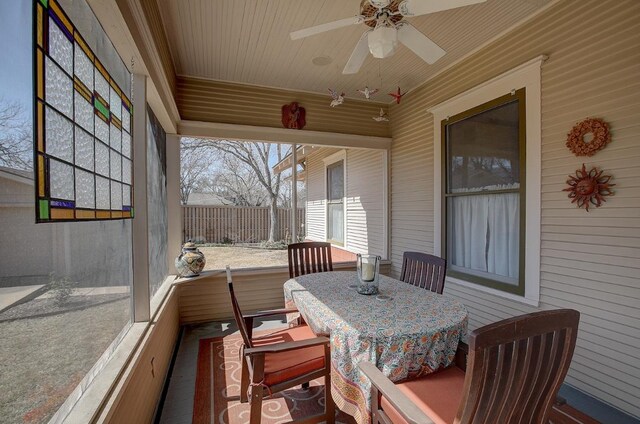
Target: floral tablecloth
x=413, y=334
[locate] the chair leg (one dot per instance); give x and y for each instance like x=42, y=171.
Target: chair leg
x=244, y=382
x=256, y=405
x=305, y=386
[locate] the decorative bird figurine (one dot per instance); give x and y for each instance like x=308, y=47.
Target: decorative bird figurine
x=397, y=95
x=368, y=93
x=383, y=117
x=338, y=99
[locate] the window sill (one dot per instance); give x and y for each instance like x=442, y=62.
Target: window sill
x=531, y=301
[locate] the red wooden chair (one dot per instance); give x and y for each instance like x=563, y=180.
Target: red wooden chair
x=424, y=270
x=309, y=257
x=513, y=372
x=281, y=360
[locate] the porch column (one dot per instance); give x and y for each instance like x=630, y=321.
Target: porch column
x=294, y=194
x=141, y=306
x=174, y=208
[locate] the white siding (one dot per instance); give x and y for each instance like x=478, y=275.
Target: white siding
x=364, y=197
x=589, y=261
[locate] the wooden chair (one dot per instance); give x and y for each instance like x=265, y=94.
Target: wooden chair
x=281, y=360
x=513, y=372
x=309, y=257
x=424, y=270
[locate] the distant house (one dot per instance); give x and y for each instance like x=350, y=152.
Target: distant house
x=198, y=198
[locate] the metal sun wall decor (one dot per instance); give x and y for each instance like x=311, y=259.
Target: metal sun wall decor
x=82, y=128
x=589, y=188
x=598, y=128
x=293, y=116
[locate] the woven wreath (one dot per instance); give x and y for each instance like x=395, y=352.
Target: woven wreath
x=595, y=126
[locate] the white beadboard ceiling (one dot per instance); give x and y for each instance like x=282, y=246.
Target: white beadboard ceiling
x=247, y=41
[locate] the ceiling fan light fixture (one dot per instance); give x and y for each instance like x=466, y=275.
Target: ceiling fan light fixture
x=383, y=41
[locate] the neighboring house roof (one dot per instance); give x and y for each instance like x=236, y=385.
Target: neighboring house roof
x=199, y=198
x=19, y=175
x=302, y=153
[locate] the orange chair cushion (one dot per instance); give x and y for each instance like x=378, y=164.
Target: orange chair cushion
x=283, y=366
x=437, y=395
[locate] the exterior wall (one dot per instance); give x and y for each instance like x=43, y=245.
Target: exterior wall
x=364, y=196
x=589, y=261
x=230, y=103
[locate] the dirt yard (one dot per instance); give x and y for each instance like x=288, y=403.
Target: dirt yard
x=242, y=257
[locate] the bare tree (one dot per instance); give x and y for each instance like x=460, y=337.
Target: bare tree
x=16, y=140
x=258, y=157
x=195, y=166
x=236, y=182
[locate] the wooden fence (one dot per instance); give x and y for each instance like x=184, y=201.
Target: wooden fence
x=237, y=224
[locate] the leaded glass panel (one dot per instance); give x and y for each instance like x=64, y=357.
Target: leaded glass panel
x=61, y=180
x=126, y=195
x=83, y=112
x=85, y=190
x=58, y=88
x=83, y=68
x=103, y=198
x=84, y=149
x=102, y=159
x=85, y=120
x=59, y=135
x=60, y=47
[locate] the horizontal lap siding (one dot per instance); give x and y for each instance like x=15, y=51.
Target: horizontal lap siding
x=589, y=261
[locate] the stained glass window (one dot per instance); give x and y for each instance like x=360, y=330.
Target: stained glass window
x=83, y=127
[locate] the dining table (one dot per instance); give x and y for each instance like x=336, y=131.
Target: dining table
x=405, y=330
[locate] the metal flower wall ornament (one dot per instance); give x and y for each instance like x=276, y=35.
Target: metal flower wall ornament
x=589, y=188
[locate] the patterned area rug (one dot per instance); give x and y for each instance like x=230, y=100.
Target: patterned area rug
x=217, y=396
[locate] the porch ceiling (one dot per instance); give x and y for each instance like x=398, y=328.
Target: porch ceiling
x=247, y=41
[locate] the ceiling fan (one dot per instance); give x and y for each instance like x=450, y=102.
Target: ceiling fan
x=387, y=26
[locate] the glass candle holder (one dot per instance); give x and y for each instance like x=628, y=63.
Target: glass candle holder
x=368, y=267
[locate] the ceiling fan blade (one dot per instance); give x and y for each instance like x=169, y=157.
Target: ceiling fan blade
x=419, y=43
x=358, y=55
x=422, y=7
x=302, y=33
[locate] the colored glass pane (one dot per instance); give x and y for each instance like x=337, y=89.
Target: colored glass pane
x=126, y=171
x=102, y=129
x=102, y=193
x=102, y=159
x=61, y=180
x=101, y=108
x=126, y=144
x=58, y=88
x=115, y=103
x=83, y=112
x=85, y=190
x=60, y=47
x=59, y=135
x=116, y=196
x=116, y=166
x=83, y=149
x=115, y=138
x=83, y=67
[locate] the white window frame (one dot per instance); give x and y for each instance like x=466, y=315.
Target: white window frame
x=525, y=76
x=328, y=161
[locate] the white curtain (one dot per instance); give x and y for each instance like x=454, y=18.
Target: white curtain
x=484, y=233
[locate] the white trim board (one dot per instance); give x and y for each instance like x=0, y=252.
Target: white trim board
x=528, y=76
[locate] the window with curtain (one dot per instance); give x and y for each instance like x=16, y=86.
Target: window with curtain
x=335, y=202
x=484, y=193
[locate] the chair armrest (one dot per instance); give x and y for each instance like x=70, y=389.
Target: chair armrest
x=399, y=400
x=286, y=346
x=271, y=312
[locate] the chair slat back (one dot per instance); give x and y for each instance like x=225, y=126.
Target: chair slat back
x=424, y=270
x=237, y=313
x=515, y=367
x=309, y=258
